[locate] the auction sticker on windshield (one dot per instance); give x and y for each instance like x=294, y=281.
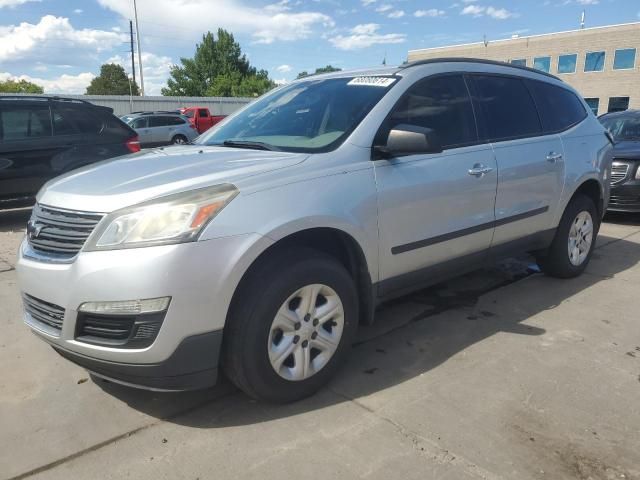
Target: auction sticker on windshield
x=372, y=81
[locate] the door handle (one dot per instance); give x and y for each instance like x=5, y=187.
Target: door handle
x=553, y=157
x=479, y=170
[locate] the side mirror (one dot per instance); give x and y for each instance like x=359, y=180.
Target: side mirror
x=408, y=140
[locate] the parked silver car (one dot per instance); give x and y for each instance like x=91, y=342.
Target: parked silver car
x=260, y=249
x=161, y=128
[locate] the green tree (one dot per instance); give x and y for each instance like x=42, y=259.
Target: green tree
x=218, y=68
x=20, y=86
x=112, y=80
x=327, y=69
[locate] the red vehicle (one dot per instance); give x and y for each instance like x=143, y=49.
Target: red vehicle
x=201, y=118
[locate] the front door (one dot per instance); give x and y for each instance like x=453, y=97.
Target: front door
x=436, y=211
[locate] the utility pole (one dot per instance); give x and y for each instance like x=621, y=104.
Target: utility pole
x=133, y=56
x=135, y=11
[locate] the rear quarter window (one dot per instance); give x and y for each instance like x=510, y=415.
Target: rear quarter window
x=507, y=108
x=559, y=108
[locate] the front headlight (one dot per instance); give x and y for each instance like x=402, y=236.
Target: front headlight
x=175, y=218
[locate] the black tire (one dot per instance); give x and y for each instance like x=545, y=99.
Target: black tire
x=245, y=358
x=555, y=261
x=179, y=140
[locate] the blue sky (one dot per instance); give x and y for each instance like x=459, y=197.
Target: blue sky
x=62, y=43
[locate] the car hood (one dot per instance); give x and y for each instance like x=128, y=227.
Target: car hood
x=128, y=180
x=627, y=149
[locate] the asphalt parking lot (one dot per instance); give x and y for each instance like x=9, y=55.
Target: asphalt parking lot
x=501, y=374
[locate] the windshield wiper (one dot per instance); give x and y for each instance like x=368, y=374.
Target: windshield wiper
x=249, y=144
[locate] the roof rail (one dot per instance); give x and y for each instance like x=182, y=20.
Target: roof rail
x=45, y=98
x=155, y=112
x=476, y=60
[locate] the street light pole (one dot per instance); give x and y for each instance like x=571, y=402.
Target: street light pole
x=135, y=11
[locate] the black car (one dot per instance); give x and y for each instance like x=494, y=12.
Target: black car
x=43, y=137
x=625, y=171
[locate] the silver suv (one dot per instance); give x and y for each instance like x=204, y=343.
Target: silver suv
x=161, y=128
x=261, y=248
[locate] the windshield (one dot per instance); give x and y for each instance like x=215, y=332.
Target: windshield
x=127, y=119
x=310, y=116
x=623, y=128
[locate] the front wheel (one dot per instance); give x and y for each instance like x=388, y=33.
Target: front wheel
x=574, y=241
x=179, y=140
x=291, y=325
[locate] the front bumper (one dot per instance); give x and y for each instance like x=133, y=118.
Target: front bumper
x=625, y=197
x=200, y=277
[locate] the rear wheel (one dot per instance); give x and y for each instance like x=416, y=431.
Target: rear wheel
x=575, y=238
x=291, y=325
x=179, y=140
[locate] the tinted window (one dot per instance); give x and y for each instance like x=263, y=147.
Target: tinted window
x=567, y=63
x=594, y=62
x=175, y=121
x=542, y=63
x=62, y=123
x=19, y=123
x=442, y=104
x=593, y=103
x=158, y=121
x=625, y=127
x=87, y=121
x=203, y=112
x=618, y=104
x=507, y=107
x=559, y=108
x=139, y=123
x=520, y=62
x=625, y=58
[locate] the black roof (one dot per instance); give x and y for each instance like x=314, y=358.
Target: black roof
x=45, y=98
x=475, y=60
x=621, y=113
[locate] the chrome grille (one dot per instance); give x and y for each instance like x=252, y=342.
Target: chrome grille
x=44, y=312
x=60, y=232
x=619, y=172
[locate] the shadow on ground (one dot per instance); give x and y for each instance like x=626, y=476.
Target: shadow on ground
x=409, y=335
x=14, y=220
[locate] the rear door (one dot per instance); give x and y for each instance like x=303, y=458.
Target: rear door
x=436, y=211
x=141, y=126
x=26, y=147
x=530, y=162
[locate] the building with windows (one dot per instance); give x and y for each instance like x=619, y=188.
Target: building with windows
x=600, y=62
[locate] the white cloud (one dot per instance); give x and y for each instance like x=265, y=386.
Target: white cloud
x=280, y=81
x=15, y=3
x=367, y=2
x=78, y=11
x=156, y=70
x=65, y=84
x=396, y=14
x=587, y=2
x=474, y=10
x=53, y=40
x=431, y=12
x=384, y=8
x=266, y=25
x=365, y=35
x=284, y=68
x=479, y=11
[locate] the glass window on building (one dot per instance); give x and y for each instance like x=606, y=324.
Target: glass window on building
x=593, y=103
x=520, y=62
x=594, y=62
x=618, y=104
x=625, y=59
x=542, y=63
x=567, y=63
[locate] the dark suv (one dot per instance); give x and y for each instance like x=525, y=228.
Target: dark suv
x=43, y=137
x=625, y=169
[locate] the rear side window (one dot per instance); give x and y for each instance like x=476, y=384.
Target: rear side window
x=203, y=112
x=440, y=103
x=22, y=123
x=559, y=108
x=88, y=121
x=62, y=124
x=158, y=121
x=507, y=108
x=175, y=121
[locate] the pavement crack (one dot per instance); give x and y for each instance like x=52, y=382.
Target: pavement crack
x=424, y=446
x=116, y=438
